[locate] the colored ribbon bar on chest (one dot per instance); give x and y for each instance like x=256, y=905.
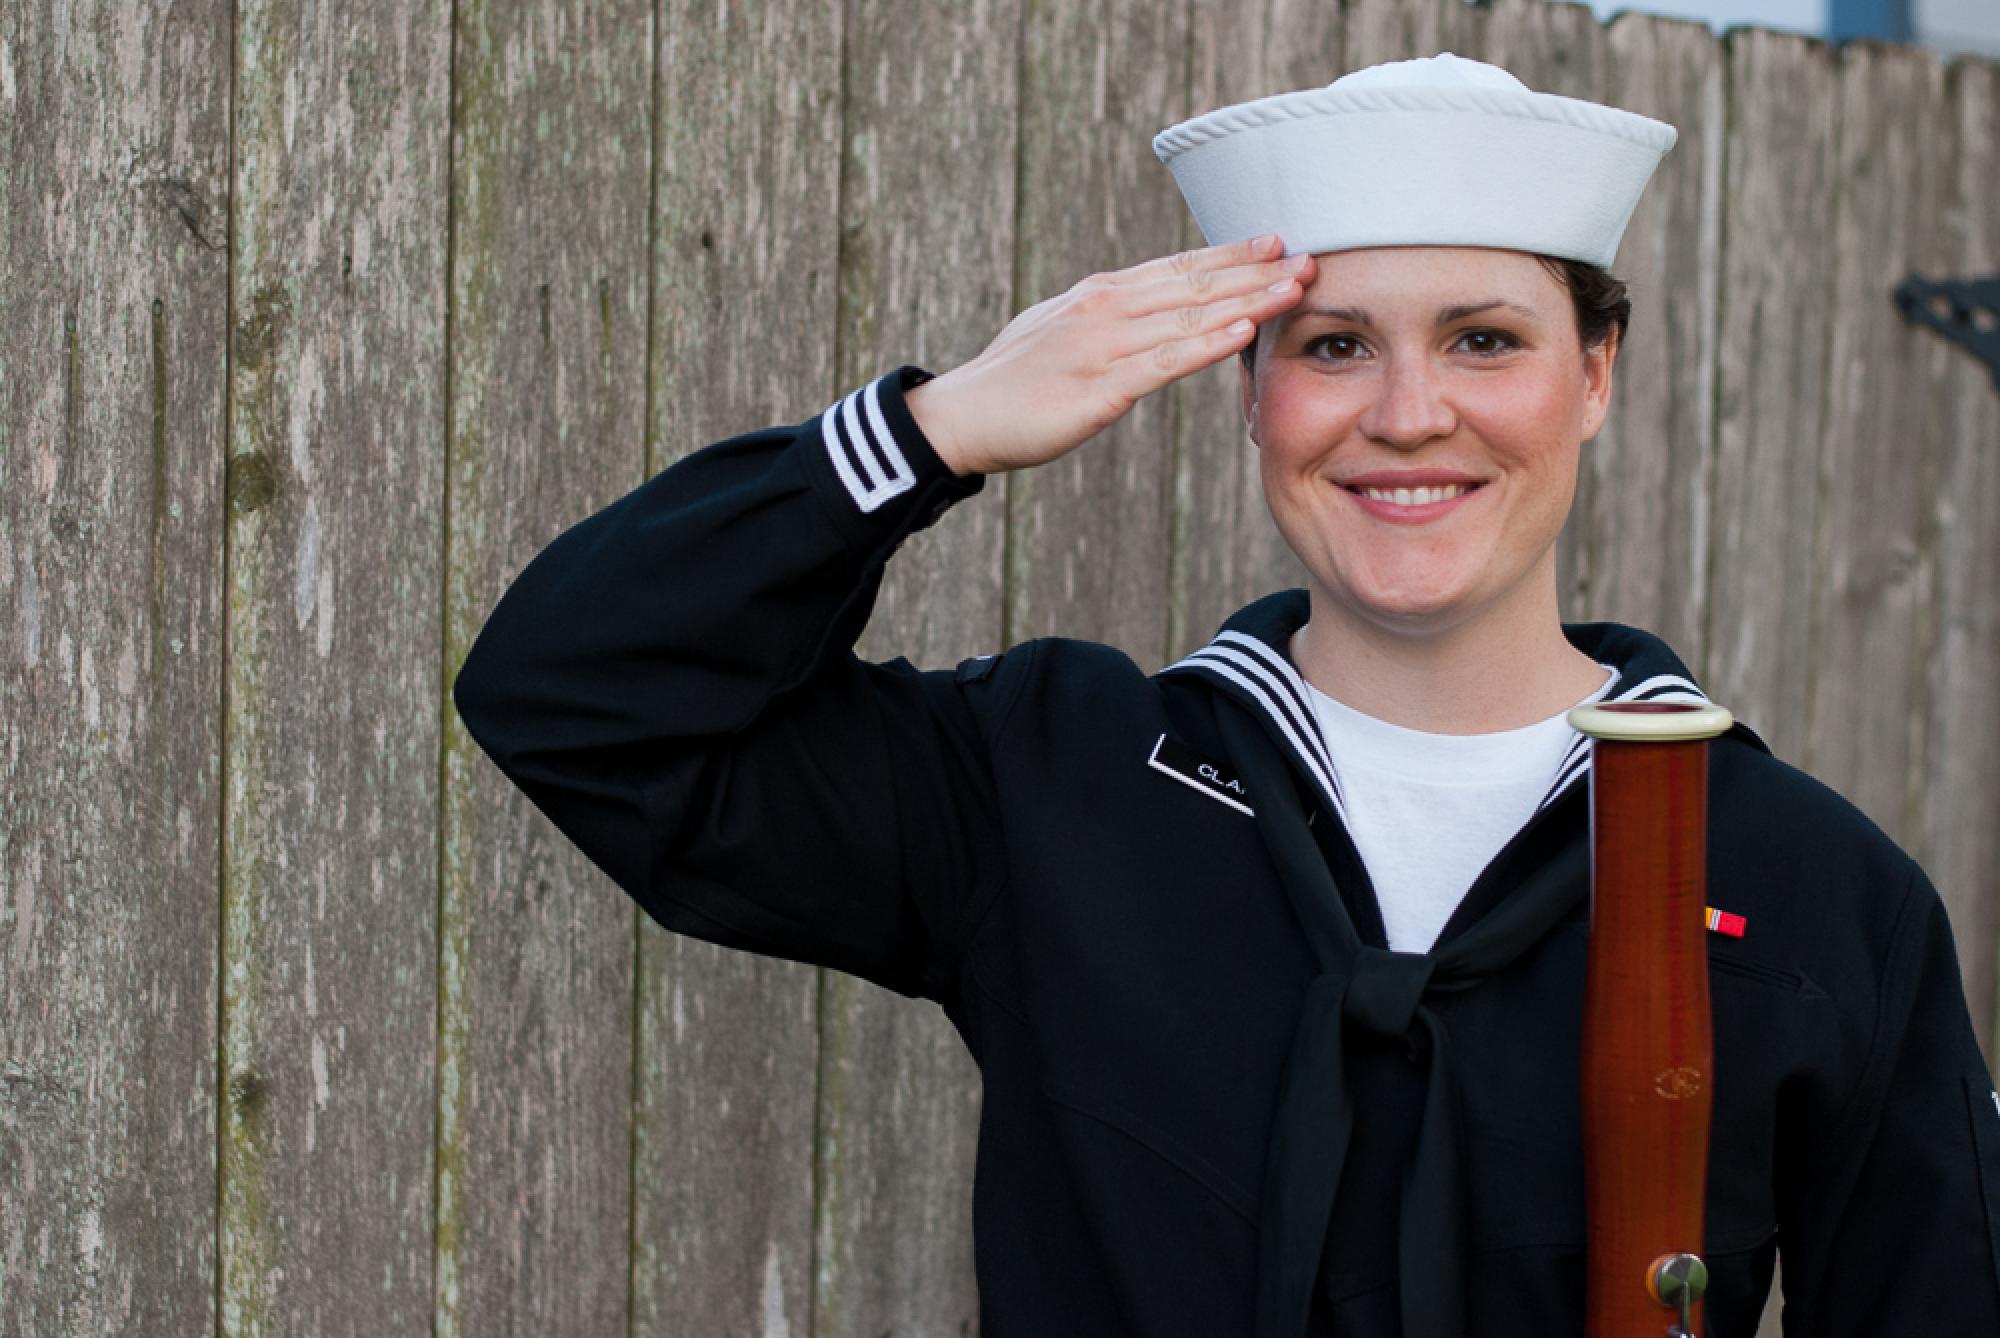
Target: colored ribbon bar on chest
x=1722, y=922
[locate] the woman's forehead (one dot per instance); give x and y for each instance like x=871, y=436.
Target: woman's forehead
x=1427, y=277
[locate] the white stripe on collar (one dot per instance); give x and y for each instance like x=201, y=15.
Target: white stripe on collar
x=1273, y=686
x=1658, y=688
x=1248, y=649
x=1662, y=688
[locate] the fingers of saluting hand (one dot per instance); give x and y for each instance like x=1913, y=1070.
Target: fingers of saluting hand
x=1252, y=292
x=1193, y=268
x=1178, y=325
x=1165, y=291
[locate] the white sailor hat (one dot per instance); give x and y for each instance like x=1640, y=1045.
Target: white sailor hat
x=1441, y=151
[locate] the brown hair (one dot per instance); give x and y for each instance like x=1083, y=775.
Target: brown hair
x=1603, y=307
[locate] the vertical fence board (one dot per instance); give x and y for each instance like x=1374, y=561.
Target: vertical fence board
x=1871, y=600
x=927, y=206
x=1773, y=372
x=1226, y=549
x=1559, y=48
x=1956, y=834
x=745, y=237
x=548, y=393
x=113, y=302
x=1550, y=47
x=331, y=769
x=1650, y=467
x=1088, y=535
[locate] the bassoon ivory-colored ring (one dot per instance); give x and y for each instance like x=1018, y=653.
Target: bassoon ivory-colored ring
x=1651, y=722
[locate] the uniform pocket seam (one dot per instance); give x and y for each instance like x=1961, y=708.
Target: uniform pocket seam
x=1769, y=975
x=1162, y=1145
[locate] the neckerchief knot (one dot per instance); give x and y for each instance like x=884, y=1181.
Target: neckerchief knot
x=1385, y=989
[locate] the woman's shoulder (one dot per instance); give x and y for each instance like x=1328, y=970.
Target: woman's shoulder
x=1824, y=875
x=1761, y=796
x=1765, y=814
x=1047, y=683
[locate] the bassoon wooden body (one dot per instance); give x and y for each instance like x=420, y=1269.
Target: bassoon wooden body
x=1648, y=1049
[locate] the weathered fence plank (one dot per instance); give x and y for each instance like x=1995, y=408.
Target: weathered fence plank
x=113, y=300
x=926, y=215
x=1087, y=536
x=1871, y=598
x=1550, y=47
x=334, y=623
x=547, y=423
x=745, y=236
x=1226, y=549
x=1863, y=487
x=1775, y=312
x=1955, y=833
x=1650, y=467
x=1559, y=48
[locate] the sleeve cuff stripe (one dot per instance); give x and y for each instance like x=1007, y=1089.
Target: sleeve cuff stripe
x=865, y=456
x=899, y=467
x=863, y=452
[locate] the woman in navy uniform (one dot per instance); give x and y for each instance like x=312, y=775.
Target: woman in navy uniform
x=1272, y=962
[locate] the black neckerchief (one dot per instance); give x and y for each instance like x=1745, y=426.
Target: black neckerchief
x=1381, y=993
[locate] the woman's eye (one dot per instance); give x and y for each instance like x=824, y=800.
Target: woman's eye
x=1335, y=348
x=1486, y=343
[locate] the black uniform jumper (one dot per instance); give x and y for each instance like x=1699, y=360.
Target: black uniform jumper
x=1214, y=1103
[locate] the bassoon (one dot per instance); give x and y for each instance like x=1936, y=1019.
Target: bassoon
x=1648, y=1047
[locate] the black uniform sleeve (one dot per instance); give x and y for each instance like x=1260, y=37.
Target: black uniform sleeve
x=672, y=682
x=1891, y=1222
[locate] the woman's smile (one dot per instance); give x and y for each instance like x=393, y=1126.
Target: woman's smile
x=1410, y=497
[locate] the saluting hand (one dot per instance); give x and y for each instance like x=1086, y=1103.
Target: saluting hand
x=1066, y=369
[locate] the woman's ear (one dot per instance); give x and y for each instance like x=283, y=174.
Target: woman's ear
x=1598, y=363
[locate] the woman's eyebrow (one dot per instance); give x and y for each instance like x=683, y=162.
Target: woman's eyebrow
x=1459, y=313
x=1352, y=315
x=1359, y=315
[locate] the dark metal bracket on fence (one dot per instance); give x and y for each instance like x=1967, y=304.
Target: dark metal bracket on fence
x=1965, y=311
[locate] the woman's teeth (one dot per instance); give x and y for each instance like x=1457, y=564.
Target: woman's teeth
x=1413, y=496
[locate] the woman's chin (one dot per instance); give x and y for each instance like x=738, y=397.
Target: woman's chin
x=1413, y=610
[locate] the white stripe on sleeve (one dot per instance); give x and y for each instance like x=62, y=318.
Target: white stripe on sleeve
x=864, y=453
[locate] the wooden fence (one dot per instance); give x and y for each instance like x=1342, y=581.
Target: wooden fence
x=317, y=320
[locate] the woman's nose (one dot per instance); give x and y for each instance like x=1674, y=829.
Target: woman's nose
x=1409, y=408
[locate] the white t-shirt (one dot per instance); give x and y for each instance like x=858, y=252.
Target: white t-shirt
x=1428, y=812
